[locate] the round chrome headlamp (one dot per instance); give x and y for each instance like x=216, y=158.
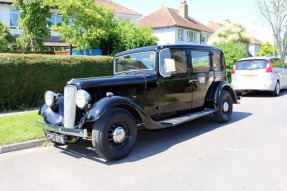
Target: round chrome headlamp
x=50, y=98
x=82, y=98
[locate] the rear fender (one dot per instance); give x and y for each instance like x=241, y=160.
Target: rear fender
x=215, y=91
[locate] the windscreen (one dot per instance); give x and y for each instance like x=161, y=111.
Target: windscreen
x=135, y=62
x=250, y=64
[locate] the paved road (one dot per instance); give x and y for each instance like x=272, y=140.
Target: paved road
x=248, y=153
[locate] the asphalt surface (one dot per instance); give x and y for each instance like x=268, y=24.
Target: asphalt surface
x=247, y=153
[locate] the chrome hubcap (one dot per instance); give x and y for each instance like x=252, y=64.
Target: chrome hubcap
x=119, y=135
x=225, y=106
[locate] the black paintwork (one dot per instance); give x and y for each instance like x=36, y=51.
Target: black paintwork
x=148, y=95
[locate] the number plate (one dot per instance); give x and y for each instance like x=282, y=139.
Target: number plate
x=55, y=137
x=249, y=77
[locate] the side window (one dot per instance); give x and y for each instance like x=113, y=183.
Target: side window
x=217, y=61
x=14, y=16
x=173, y=61
x=276, y=63
x=200, y=61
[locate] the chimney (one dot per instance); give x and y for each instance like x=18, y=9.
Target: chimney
x=227, y=22
x=183, y=10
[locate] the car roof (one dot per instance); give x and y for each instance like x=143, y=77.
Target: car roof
x=258, y=58
x=159, y=47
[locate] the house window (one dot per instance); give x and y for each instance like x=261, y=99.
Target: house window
x=56, y=18
x=203, y=38
x=191, y=36
x=180, y=34
x=127, y=19
x=14, y=16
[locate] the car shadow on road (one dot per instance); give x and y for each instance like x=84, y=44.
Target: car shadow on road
x=258, y=94
x=150, y=143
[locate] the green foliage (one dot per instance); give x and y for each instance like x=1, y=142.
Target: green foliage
x=232, y=53
x=234, y=33
x=124, y=36
x=84, y=24
x=18, y=128
x=25, y=78
x=267, y=50
x=6, y=38
x=34, y=24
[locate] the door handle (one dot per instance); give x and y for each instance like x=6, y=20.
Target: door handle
x=193, y=80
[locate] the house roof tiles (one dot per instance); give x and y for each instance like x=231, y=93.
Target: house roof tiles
x=118, y=9
x=255, y=41
x=168, y=17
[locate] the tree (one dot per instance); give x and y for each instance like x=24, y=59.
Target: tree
x=34, y=23
x=124, y=36
x=267, y=49
x=6, y=39
x=84, y=24
x=232, y=53
x=275, y=12
x=234, y=33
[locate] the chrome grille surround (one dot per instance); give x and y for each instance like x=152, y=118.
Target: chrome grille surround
x=69, y=106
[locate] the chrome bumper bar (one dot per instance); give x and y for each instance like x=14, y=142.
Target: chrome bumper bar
x=66, y=131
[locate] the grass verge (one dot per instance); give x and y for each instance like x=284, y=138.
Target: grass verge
x=18, y=128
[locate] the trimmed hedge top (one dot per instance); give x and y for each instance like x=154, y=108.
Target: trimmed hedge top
x=25, y=78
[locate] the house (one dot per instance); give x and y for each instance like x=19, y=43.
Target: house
x=9, y=16
x=254, y=45
x=175, y=26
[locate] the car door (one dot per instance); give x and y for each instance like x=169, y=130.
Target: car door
x=278, y=67
x=201, y=76
x=174, y=82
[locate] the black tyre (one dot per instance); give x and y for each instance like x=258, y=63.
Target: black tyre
x=276, y=90
x=114, y=135
x=225, y=107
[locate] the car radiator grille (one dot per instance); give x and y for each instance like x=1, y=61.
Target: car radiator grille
x=69, y=106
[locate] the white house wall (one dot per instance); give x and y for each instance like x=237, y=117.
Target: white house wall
x=5, y=14
x=165, y=35
x=170, y=36
x=5, y=18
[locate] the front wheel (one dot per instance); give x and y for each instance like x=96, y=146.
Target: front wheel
x=114, y=134
x=225, y=107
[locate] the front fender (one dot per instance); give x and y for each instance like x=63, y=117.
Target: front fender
x=103, y=105
x=52, y=117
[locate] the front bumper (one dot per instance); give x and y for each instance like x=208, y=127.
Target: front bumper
x=63, y=130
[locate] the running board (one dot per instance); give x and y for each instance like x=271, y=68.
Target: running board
x=186, y=118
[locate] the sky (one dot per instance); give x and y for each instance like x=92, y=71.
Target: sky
x=243, y=12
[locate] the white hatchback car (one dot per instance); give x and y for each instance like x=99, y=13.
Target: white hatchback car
x=259, y=74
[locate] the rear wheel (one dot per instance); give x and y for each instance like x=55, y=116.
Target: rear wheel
x=276, y=91
x=225, y=107
x=114, y=135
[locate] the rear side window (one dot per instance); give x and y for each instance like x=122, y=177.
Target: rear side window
x=250, y=64
x=276, y=63
x=200, y=61
x=217, y=61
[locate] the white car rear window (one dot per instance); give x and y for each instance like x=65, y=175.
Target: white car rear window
x=250, y=64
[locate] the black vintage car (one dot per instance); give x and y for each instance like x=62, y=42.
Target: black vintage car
x=152, y=87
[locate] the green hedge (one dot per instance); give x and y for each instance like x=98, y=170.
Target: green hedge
x=25, y=78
